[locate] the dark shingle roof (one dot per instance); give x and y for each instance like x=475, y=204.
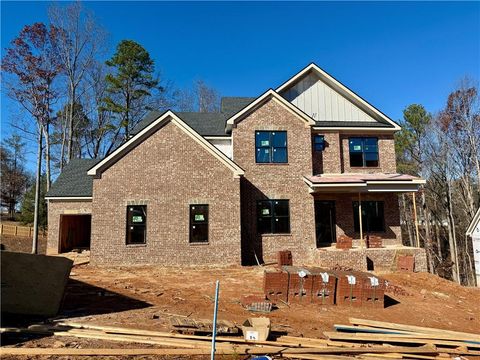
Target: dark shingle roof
x=232, y=105
x=74, y=181
x=352, y=124
x=205, y=123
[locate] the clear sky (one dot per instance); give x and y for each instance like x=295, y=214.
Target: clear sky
x=390, y=53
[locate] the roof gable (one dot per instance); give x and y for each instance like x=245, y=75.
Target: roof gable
x=150, y=129
x=326, y=99
x=473, y=225
x=268, y=95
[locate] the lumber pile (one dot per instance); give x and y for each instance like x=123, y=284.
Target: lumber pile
x=362, y=339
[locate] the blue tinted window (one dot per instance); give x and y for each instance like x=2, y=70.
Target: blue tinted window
x=271, y=147
x=363, y=152
x=318, y=143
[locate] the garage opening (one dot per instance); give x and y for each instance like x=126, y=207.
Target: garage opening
x=75, y=232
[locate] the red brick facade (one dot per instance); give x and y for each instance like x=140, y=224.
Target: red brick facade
x=167, y=172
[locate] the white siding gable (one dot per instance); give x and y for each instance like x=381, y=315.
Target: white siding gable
x=323, y=103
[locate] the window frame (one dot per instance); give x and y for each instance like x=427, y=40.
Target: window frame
x=130, y=223
x=271, y=147
x=364, y=152
x=273, y=216
x=192, y=222
x=365, y=223
x=315, y=143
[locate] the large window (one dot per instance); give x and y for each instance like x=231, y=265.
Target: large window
x=198, y=223
x=372, y=216
x=136, y=224
x=273, y=217
x=271, y=147
x=363, y=152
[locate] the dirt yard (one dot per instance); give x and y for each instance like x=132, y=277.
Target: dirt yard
x=146, y=297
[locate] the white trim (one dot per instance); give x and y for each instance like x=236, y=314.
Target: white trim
x=367, y=186
x=68, y=198
x=218, y=137
x=261, y=99
x=473, y=224
x=349, y=93
x=397, y=182
x=146, y=132
x=354, y=129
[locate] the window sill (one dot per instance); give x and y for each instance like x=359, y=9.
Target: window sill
x=198, y=243
x=366, y=167
x=136, y=245
x=273, y=235
x=270, y=164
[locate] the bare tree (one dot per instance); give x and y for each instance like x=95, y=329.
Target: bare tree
x=81, y=41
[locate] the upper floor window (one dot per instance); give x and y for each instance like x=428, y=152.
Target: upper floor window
x=273, y=217
x=363, y=152
x=271, y=147
x=136, y=224
x=318, y=142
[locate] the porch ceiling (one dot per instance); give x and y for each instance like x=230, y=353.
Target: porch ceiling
x=363, y=183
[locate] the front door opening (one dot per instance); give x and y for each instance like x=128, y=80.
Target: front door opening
x=325, y=223
x=74, y=232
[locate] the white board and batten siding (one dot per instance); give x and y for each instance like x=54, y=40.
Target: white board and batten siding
x=323, y=103
x=222, y=144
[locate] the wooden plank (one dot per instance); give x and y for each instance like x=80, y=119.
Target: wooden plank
x=421, y=329
x=395, y=339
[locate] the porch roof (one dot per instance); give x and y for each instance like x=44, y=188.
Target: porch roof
x=378, y=182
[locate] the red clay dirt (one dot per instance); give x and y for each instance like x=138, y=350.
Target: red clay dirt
x=146, y=297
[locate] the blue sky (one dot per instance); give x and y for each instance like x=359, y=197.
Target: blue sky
x=390, y=53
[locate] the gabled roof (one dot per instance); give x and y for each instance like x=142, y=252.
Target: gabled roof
x=474, y=223
x=148, y=130
x=231, y=105
x=205, y=123
x=269, y=94
x=343, y=90
x=73, y=182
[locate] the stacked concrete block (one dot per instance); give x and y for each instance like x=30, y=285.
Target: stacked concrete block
x=344, y=242
x=324, y=285
x=275, y=285
x=373, y=291
x=349, y=288
x=284, y=258
x=406, y=263
x=374, y=241
x=299, y=284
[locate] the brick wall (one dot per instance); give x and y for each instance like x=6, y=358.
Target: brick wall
x=386, y=150
x=328, y=161
x=275, y=181
x=55, y=209
x=167, y=172
x=344, y=215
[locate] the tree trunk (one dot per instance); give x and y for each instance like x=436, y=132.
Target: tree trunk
x=47, y=156
x=64, y=138
x=406, y=219
x=428, y=236
x=70, y=123
x=451, y=235
x=37, y=192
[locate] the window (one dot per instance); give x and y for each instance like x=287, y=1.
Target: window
x=136, y=224
x=372, y=216
x=363, y=152
x=198, y=223
x=273, y=217
x=318, y=142
x=271, y=147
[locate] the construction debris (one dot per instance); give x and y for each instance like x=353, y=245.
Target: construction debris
x=188, y=326
x=362, y=339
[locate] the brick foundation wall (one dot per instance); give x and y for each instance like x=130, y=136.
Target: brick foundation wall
x=168, y=171
x=344, y=215
x=275, y=181
x=368, y=259
x=55, y=209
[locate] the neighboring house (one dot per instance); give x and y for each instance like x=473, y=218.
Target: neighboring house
x=473, y=232
x=285, y=170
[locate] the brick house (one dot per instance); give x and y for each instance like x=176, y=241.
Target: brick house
x=295, y=169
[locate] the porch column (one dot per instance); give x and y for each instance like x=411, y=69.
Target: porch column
x=360, y=218
x=415, y=219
